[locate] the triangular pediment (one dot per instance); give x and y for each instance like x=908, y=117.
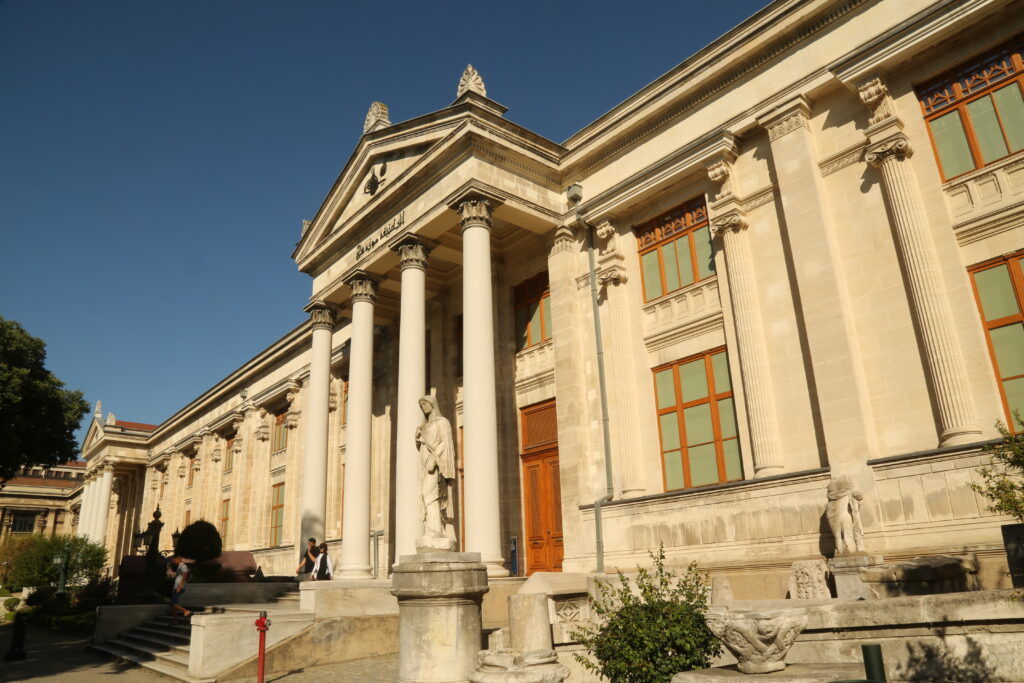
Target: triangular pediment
x=93, y=436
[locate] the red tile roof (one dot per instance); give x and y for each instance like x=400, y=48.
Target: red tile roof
x=135, y=425
x=74, y=463
x=39, y=481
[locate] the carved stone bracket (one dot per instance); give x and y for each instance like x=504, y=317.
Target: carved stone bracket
x=897, y=147
x=876, y=96
x=263, y=430
x=609, y=237
x=291, y=418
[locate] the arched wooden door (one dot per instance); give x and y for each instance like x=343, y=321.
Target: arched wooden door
x=542, y=491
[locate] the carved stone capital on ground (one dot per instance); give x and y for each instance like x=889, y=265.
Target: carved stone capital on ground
x=897, y=147
x=759, y=640
x=733, y=220
x=412, y=253
x=364, y=288
x=475, y=211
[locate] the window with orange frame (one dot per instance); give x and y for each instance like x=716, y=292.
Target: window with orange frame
x=675, y=249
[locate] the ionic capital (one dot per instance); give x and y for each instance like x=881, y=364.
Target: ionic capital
x=364, y=288
x=412, y=253
x=896, y=147
x=475, y=212
x=731, y=221
x=321, y=316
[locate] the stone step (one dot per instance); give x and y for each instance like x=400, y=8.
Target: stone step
x=166, y=668
x=149, y=640
x=169, y=635
x=155, y=652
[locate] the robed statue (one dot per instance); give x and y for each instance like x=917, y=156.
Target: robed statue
x=437, y=477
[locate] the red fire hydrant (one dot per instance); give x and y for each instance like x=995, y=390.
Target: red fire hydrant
x=262, y=625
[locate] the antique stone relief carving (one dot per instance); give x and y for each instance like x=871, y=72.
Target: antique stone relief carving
x=437, y=478
x=808, y=580
x=843, y=513
x=471, y=82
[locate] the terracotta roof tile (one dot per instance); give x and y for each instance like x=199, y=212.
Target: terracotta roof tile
x=135, y=425
x=38, y=481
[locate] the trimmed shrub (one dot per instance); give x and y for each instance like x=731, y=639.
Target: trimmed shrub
x=10, y=604
x=649, y=630
x=200, y=541
x=39, y=597
x=4, y=592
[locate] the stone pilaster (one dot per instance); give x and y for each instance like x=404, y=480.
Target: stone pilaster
x=888, y=147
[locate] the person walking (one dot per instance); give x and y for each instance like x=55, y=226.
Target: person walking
x=306, y=560
x=322, y=569
x=181, y=574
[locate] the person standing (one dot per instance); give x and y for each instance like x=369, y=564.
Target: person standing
x=307, y=559
x=322, y=569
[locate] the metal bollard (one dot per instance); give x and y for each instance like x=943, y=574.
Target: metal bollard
x=874, y=668
x=262, y=625
x=17, y=650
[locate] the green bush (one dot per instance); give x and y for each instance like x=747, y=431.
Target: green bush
x=11, y=603
x=39, y=596
x=1003, y=479
x=10, y=616
x=33, y=563
x=199, y=541
x=95, y=593
x=650, y=631
x=4, y=592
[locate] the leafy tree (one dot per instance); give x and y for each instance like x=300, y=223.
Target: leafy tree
x=34, y=563
x=200, y=541
x=651, y=629
x=38, y=416
x=1003, y=479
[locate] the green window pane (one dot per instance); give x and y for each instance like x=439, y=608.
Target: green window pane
x=995, y=290
x=727, y=418
x=720, y=366
x=669, y=431
x=1009, y=345
x=1010, y=104
x=668, y=256
x=702, y=245
x=522, y=327
x=545, y=305
x=665, y=388
x=733, y=463
x=951, y=141
x=534, y=322
x=1014, y=389
x=693, y=379
x=703, y=465
x=652, y=275
x=685, y=264
x=987, y=130
x=698, y=424
x=674, y=471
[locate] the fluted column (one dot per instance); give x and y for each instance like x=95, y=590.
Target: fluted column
x=85, y=510
x=411, y=387
x=313, y=504
x=94, y=505
x=483, y=523
x=887, y=150
x=764, y=434
x=106, y=487
x=355, y=533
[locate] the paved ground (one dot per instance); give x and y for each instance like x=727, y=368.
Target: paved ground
x=65, y=657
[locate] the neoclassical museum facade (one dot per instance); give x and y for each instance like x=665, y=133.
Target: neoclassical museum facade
x=795, y=255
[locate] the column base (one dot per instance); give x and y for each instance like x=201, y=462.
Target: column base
x=355, y=573
x=768, y=471
x=958, y=436
x=496, y=568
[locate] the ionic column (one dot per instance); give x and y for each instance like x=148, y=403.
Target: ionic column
x=313, y=504
x=355, y=533
x=103, y=509
x=887, y=149
x=412, y=368
x=483, y=524
x=764, y=433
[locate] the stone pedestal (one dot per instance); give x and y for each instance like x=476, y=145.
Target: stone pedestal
x=439, y=632
x=846, y=572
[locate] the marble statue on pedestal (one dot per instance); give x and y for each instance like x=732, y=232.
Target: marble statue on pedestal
x=437, y=478
x=843, y=513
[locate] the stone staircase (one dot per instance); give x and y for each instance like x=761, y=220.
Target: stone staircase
x=163, y=646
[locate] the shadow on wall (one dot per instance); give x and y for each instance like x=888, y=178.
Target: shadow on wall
x=934, y=663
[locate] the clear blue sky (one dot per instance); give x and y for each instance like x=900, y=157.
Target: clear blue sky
x=157, y=158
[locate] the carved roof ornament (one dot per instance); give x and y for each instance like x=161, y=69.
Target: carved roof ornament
x=471, y=81
x=876, y=96
x=376, y=118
